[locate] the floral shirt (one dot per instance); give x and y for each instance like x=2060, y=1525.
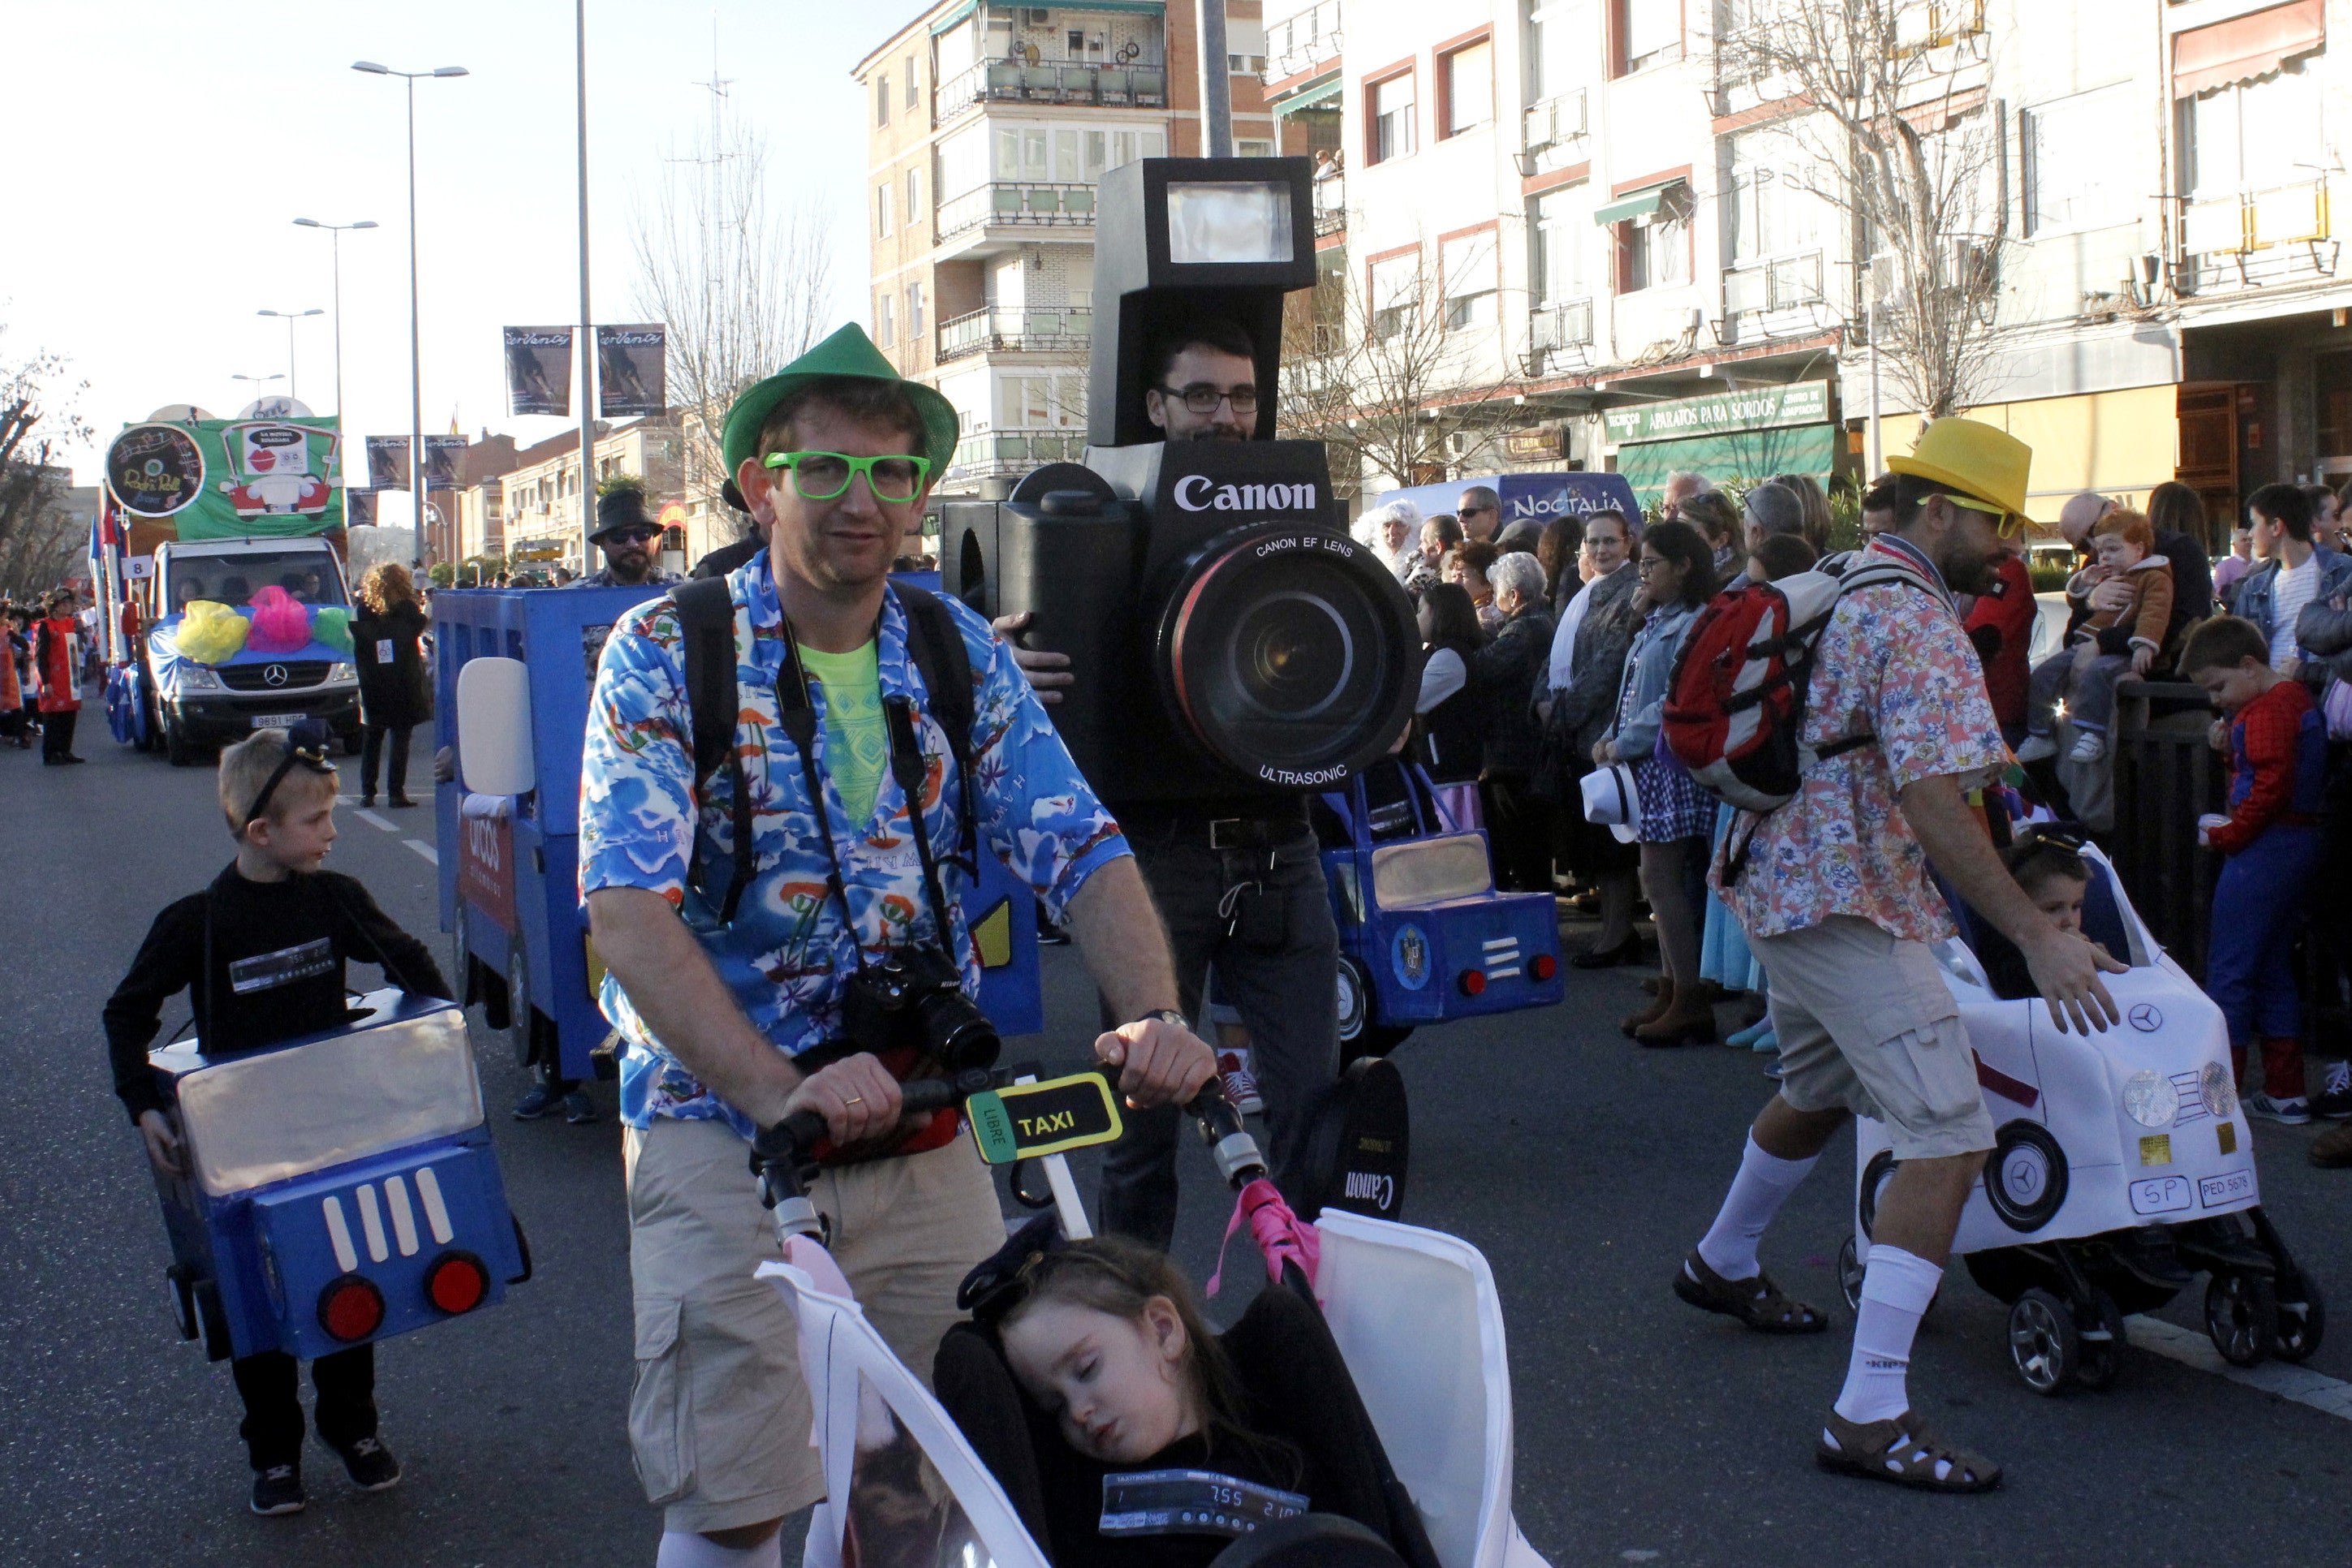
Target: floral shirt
x=787, y=956
x=1893, y=663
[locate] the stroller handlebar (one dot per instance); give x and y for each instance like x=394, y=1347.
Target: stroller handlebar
x=1235, y=1153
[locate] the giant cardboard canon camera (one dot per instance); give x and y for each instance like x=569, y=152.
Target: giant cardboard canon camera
x=1226, y=636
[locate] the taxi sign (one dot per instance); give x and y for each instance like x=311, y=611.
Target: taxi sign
x=1024, y=1120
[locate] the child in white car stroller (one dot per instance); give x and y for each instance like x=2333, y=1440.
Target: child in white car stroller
x=1173, y=1446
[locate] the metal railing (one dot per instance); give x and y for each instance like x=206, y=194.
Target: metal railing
x=1565, y=325
x=1303, y=41
x=1774, y=283
x=1330, y=204
x=1009, y=328
x=1018, y=202
x=1133, y=84
x=1554, y=122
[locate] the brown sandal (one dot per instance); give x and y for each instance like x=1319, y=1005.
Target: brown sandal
x=1757, y=1302
x=1903, y=1452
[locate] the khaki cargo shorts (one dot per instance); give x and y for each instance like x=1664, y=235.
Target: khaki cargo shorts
x=1866, y=1023
x=720, y=1417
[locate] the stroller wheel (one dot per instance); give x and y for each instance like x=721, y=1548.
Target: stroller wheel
x=2302, y=1324
x=1850, y=1274
x=2103, y=1347
x=2241, y=1317
x=2044, y=1345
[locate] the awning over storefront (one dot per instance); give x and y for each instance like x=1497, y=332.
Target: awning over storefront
x=1642, y=203
x=2244, y=47
x=1324, y=93
x=2121, y=444
x=1737, y=458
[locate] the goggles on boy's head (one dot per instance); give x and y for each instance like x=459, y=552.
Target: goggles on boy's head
x=1001, y=1281
x=306, y=743
x=2058, y=835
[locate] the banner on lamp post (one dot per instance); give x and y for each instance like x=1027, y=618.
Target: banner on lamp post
x=539, y=370
x=632, y=373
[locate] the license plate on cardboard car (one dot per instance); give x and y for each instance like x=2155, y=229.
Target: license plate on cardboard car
x=278, y=721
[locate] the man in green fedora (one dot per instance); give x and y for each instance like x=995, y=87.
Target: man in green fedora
x=726, y=986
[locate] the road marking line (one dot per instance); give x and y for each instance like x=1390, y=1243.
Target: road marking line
x=2284, y=1379
x=376, y=819
x=424, y=848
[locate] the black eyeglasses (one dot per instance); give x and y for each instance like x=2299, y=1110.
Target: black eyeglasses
x=1202, y=398
x=633, y=535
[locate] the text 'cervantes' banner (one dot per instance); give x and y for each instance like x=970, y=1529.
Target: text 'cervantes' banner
x=228, y=478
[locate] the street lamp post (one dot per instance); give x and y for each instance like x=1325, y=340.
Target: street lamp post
x=415, y=351
x=293, y=381
x=259, y=382
x=587, y=331
x=335, y=243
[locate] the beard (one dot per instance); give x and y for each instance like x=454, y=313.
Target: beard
x=1966, y=570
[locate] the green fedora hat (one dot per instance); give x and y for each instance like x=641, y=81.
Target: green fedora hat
x=848, y=352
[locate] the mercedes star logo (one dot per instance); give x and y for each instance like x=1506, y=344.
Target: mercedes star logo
x=274, y=674
x=2145, y=1018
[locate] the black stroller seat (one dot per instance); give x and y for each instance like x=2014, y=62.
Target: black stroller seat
x=1299, y=1398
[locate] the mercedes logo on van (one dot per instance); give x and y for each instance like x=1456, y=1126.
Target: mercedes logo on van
x=274, y=675
x=2145, y=1018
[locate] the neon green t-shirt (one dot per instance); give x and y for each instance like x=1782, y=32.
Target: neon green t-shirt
x=857, y=740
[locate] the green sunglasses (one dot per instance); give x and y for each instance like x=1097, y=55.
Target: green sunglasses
x=822, y=476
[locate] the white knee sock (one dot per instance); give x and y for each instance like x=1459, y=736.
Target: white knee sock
x=1896, y=1290
x=684, y=1549
x=1763, y=1184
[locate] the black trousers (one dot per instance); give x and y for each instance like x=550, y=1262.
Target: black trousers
x=271, y=1385
x=1279, y=969
x=1519, y=833
x=395, y=778
x=57, y=732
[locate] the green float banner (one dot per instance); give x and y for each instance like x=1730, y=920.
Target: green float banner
x=1050, y=1118
x=231, y=478
x=1750, y=408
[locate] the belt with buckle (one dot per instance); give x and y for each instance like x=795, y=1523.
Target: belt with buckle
x=1198, y=823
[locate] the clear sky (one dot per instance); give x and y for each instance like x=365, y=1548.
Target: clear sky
x=162, y=150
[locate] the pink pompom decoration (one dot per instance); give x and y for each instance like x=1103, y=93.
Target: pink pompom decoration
x=280, y=624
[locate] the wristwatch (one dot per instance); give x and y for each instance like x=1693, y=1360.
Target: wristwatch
x=1168, y=1015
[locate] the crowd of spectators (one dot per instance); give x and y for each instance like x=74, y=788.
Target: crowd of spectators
x=1549, y=648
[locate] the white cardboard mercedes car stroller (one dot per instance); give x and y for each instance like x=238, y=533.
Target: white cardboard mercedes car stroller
x=1415, y=1313
x=2121, y=1166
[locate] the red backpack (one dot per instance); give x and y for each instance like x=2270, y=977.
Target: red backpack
x=1734, y=711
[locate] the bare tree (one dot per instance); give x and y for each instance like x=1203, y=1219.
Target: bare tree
x=38, y=543
x=742, y=280
x=1399, y=385
x=1886, y=102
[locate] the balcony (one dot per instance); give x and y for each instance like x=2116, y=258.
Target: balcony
x=1555, y=124
x=1560, y=338
x=1014, y=452
x=1303, y=42
x=1330, y=193
x=1133, y=84
x=1019, y=204
x=1036, y=329
x=1772, y=297
x=2258, y=238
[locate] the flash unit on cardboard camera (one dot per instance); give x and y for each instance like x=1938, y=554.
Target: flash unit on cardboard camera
x=1226, y=636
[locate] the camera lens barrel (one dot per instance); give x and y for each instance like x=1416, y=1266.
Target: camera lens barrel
x=1288, y=653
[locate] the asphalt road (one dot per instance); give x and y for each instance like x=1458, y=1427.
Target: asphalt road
x=1582, y=1167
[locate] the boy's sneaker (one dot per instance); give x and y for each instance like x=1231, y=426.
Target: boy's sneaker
x=1241, y=1083
x=2293, y=1110
x=370, y=1464
x=2089, y=747
x=2036, y=748
x=578, y=1109
x=2334, y=1099
x=279, y=1489
x=540, y=1102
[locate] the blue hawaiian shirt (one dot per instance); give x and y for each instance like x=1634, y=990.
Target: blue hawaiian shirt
x=787, y=956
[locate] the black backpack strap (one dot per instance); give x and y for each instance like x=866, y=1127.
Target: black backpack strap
x=706, y=620
x=945, y=665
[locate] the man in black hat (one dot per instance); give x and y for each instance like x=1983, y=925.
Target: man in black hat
x=626, y=535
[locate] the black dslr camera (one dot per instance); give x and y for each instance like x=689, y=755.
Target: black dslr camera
x=914, y=1000
x=1227, y=635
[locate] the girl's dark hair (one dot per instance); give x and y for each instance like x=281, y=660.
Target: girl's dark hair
x=1679, y=542
x=1449, y=618
x=2174, y=507
x=1110, y=1273
x=1556, y=550
x=2034, y=861
x=1784, y=555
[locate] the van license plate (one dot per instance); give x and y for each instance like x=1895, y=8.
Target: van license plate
x=278, y=721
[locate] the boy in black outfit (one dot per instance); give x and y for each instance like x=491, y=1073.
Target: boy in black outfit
x=261, y=953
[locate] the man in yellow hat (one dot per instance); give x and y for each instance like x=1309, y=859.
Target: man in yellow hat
x=726, y=987
x=1834, y=895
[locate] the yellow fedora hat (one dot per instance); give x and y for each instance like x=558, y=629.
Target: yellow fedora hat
x=1980, y=461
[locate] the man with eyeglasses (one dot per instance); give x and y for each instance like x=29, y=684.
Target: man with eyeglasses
x=626, y=536
x=726, y=986
x=1833, y=892
x=1206, y=388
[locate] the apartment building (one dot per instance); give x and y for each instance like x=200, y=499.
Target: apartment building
x=989, y=127
x=540, y=496
x=1632, y=237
